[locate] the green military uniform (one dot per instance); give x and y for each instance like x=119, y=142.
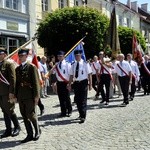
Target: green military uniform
x=27, y=88
x=7, y=85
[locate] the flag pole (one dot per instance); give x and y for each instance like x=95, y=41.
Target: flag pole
x=20, y=47
x=74, y=46
x=48, y=74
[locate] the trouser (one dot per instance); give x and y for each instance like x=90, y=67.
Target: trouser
x=44, y=88
x=124, y=83
x=8, y=112
x=94, y=80
x=41, y=106
x=64, y=98
x=80, y=91
x=145, y=80
x=28, y=112
x=104, y=80
x=133, y=88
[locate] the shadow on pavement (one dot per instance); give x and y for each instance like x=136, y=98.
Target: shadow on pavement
x=59, y=122
x=9, y=144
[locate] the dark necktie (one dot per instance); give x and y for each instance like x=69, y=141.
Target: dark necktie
x=77, y=70
x=60, y=65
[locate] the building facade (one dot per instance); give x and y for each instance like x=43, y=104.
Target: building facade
x=14, y=23
x=19, y=19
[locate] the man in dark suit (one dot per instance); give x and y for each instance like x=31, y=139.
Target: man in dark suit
x=145, y=75
x=7, y=98
x=28, y=93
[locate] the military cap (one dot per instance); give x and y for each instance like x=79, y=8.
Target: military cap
x=23, y=51
x=78, y=52
x=3, y=50
x=60, y=53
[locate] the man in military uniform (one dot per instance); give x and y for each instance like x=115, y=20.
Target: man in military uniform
x=7, y=91
x=81, y=72
x=27, y=93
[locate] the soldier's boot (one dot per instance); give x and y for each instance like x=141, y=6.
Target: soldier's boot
x=17, y=128
x=29, y=130
x=37, y=129
x=7, y=121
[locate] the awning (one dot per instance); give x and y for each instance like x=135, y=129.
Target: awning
x=13, y=34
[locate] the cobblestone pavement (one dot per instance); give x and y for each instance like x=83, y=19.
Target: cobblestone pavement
x=106, y=128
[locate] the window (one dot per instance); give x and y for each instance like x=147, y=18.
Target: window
x=44, y=5
x=2, y=42
x=128, y=22
x=13, y=4
x=76, y=2
x=60, y=3
x=8, y=3
x=120, y=20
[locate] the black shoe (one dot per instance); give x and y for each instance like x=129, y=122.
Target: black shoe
x=5, y=134
x=62, y=115
x=69, y=114
x=37, y=135
x=42, y=112
x=123, y=104
x=16, y=131
x=102, y=101
x=27, y=139
x=81, y=120
x=107, y=103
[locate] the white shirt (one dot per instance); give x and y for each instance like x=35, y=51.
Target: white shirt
x=113, y=66
x=109, y=70
x=135, y=69
x=84, y=70
x=125, y=66
x=64, y=70
x=44, y=66
x=40, y=67
x=94, y=67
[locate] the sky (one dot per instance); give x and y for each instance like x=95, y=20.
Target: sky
x=139, y=2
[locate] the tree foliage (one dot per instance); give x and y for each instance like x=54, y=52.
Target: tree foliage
x=125, y=37
x=61, y=29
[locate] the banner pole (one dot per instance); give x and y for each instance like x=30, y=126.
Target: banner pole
x=20, y=47
x=74, y=46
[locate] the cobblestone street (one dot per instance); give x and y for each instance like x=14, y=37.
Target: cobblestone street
x=106, y=128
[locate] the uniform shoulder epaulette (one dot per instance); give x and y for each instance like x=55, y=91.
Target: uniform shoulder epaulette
x=72, y=62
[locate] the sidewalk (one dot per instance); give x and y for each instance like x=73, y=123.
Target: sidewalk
x=106, y=128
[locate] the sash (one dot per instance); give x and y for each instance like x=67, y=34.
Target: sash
x=106, y=71
x=3, y=79
x=122, y=70
x=94, y=66
x=59, y=74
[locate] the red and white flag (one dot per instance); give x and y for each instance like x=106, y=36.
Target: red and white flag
x=136, y=50
x=32, y=58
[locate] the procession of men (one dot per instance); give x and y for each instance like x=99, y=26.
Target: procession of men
x=110, y=75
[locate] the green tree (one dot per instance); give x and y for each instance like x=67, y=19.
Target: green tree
x=61, y=29
x=125, y=37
